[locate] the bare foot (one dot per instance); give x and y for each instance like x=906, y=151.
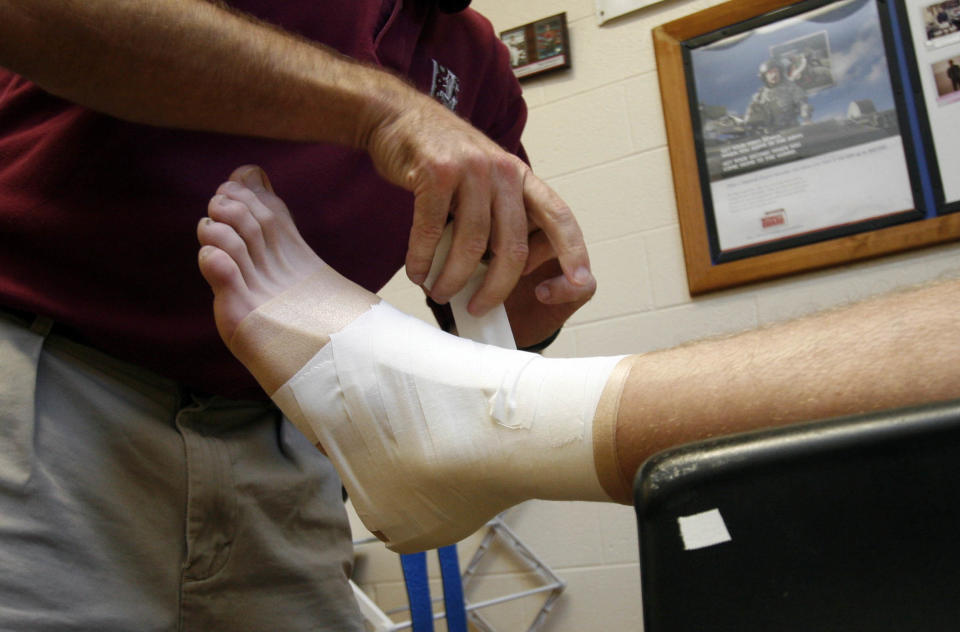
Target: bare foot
x=273, y=296
x=431, y=434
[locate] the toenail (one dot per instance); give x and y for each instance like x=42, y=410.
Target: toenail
x=253, y=180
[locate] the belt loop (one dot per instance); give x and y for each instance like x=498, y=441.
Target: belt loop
x=41, y=325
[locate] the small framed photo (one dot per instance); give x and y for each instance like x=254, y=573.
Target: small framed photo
x=538, y=47
x=933, y=47
x=941, y=23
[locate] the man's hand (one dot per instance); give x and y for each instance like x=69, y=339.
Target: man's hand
x=533, y=318
x=498, y=206
x=161, y=62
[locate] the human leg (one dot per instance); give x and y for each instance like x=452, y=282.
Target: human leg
x=432, y=434
x=267, y=538
x=125, y=505
x=891, y=352
x=82, y=545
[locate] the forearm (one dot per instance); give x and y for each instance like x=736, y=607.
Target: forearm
x=194, y=65
x=898, y=350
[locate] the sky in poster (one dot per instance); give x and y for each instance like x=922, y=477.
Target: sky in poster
x=726, y=72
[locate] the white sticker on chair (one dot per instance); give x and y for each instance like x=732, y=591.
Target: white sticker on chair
x=703, y=529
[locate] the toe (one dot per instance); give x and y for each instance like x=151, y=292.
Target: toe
x=220, y=271
x=284, y=247
x=255, y=180
x=233, y=300
x=225, y=238
x=253, y=177
x=226, y=208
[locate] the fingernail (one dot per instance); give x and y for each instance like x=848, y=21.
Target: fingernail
x=418, y=279
x=543, y=293
x=582, y=276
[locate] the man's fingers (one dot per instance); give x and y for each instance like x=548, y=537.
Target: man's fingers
x=430, y=210
x=471, y=232
x=492, y=196
x=560, y=290
x=551, y=214
x=508, y=243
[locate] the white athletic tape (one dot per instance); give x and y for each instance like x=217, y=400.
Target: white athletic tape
x=433, y=434
x=493, y=328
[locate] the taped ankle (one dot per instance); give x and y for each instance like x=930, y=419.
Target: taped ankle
x=434, y=434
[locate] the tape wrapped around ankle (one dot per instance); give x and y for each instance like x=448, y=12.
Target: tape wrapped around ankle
x=429, y=431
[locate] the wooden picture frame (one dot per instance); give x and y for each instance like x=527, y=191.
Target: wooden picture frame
x=710, y=268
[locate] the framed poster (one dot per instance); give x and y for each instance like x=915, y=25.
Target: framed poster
x=538, y=47
x=790, y=140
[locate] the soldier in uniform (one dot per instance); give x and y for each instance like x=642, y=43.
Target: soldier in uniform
x=779, y=103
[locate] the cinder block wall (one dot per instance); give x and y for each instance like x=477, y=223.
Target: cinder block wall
x=596, y=134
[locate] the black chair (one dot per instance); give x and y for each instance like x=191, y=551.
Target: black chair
x=840, y=525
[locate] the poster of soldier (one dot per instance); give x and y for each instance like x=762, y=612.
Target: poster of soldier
x=798, y=126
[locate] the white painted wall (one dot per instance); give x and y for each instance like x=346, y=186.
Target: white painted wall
x=596, y=134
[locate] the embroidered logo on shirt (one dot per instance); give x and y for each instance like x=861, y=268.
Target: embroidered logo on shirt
x=446, y=86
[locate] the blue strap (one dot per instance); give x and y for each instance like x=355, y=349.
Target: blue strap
x=452, y=589
x=418, y=591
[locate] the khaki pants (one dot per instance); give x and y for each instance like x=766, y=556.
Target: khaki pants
x=129, y=504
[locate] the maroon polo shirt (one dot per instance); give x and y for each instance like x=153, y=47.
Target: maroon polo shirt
x=98, y=216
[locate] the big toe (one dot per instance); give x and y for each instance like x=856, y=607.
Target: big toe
x=285, y=254
x=253, y=177
x=256, y=181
